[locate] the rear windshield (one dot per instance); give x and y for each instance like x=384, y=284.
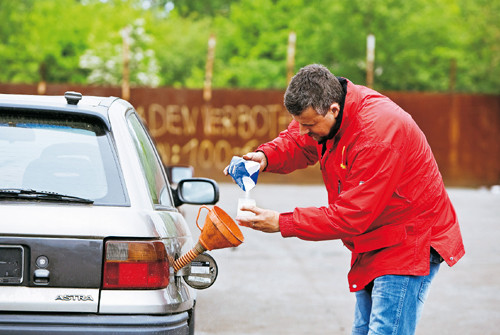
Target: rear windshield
x=66, y=155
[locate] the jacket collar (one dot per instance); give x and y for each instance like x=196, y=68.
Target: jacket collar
x=335, y=129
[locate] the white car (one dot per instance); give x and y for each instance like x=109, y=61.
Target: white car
x=89, y=226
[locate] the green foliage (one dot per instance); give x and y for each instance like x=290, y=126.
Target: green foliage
x=180, y=47
x=200, y=7
x=252, y=53
x=105, y=60
x=39, y=45
x=416, y=41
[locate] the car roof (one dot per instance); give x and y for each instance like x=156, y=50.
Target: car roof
x=72, y=103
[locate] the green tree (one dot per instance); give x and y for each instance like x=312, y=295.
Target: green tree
x=105, y=60
x=199, y=7
x=43, y=46
x=416, y=41
x=478, y=66
x=180, y=45
x=252, y=44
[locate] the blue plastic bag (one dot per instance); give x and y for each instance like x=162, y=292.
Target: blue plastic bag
x=244, y=172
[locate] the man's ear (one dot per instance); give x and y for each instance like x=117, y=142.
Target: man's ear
x=335, y=109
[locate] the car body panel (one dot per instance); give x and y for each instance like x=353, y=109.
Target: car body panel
x=49, y=299
x=86, y=221
x=69, y=262
x=95, y=106
x=153, y=301
x=71, y=237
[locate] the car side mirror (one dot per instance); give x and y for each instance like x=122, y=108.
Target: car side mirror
x=176, y=173
x=196, y=191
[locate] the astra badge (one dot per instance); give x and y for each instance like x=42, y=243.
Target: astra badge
x=74, y=297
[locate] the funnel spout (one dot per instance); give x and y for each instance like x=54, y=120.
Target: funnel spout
x=189, y=256
x=219, y=231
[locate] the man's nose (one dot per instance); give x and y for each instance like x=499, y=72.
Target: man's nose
x=303, y=130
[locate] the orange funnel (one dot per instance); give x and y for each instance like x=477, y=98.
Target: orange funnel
x=219, y=231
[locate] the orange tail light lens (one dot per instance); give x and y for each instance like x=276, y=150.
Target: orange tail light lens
x=135, y=265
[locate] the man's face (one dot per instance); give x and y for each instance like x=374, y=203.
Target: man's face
x=315, y=125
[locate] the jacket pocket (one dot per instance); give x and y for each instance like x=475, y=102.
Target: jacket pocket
x=383, y=237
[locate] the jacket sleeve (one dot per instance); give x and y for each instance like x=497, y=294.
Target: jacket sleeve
x=371, y=179
x=289, y=151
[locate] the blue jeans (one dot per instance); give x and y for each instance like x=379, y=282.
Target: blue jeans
x=392, y=304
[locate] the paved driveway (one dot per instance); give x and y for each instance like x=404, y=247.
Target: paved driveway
x=272, y=285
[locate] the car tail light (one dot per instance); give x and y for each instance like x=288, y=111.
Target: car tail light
x=135, y=265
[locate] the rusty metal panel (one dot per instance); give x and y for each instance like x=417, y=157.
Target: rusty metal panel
x=431, y=113
x=18, y=89
x=462, y=129
x=206, y=136
x=479, y=154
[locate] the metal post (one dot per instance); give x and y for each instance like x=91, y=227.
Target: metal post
x=370, y=59
x=207, y=85
x=125, y=32
x=453, y=75
x=42, y=84
x=290, y=58
x=454, y=126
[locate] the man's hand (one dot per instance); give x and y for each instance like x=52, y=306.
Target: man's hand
x=265, y=220
x=257, y=156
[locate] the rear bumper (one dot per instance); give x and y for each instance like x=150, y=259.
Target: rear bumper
x=17, y=323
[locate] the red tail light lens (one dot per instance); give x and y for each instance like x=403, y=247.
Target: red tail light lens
x=135, y=265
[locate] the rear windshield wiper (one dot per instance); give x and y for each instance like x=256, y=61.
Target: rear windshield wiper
x=29, y=194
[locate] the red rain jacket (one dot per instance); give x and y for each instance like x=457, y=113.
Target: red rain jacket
x=386, y=197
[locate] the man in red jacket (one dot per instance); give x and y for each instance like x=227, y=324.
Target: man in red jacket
x=386, y=198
